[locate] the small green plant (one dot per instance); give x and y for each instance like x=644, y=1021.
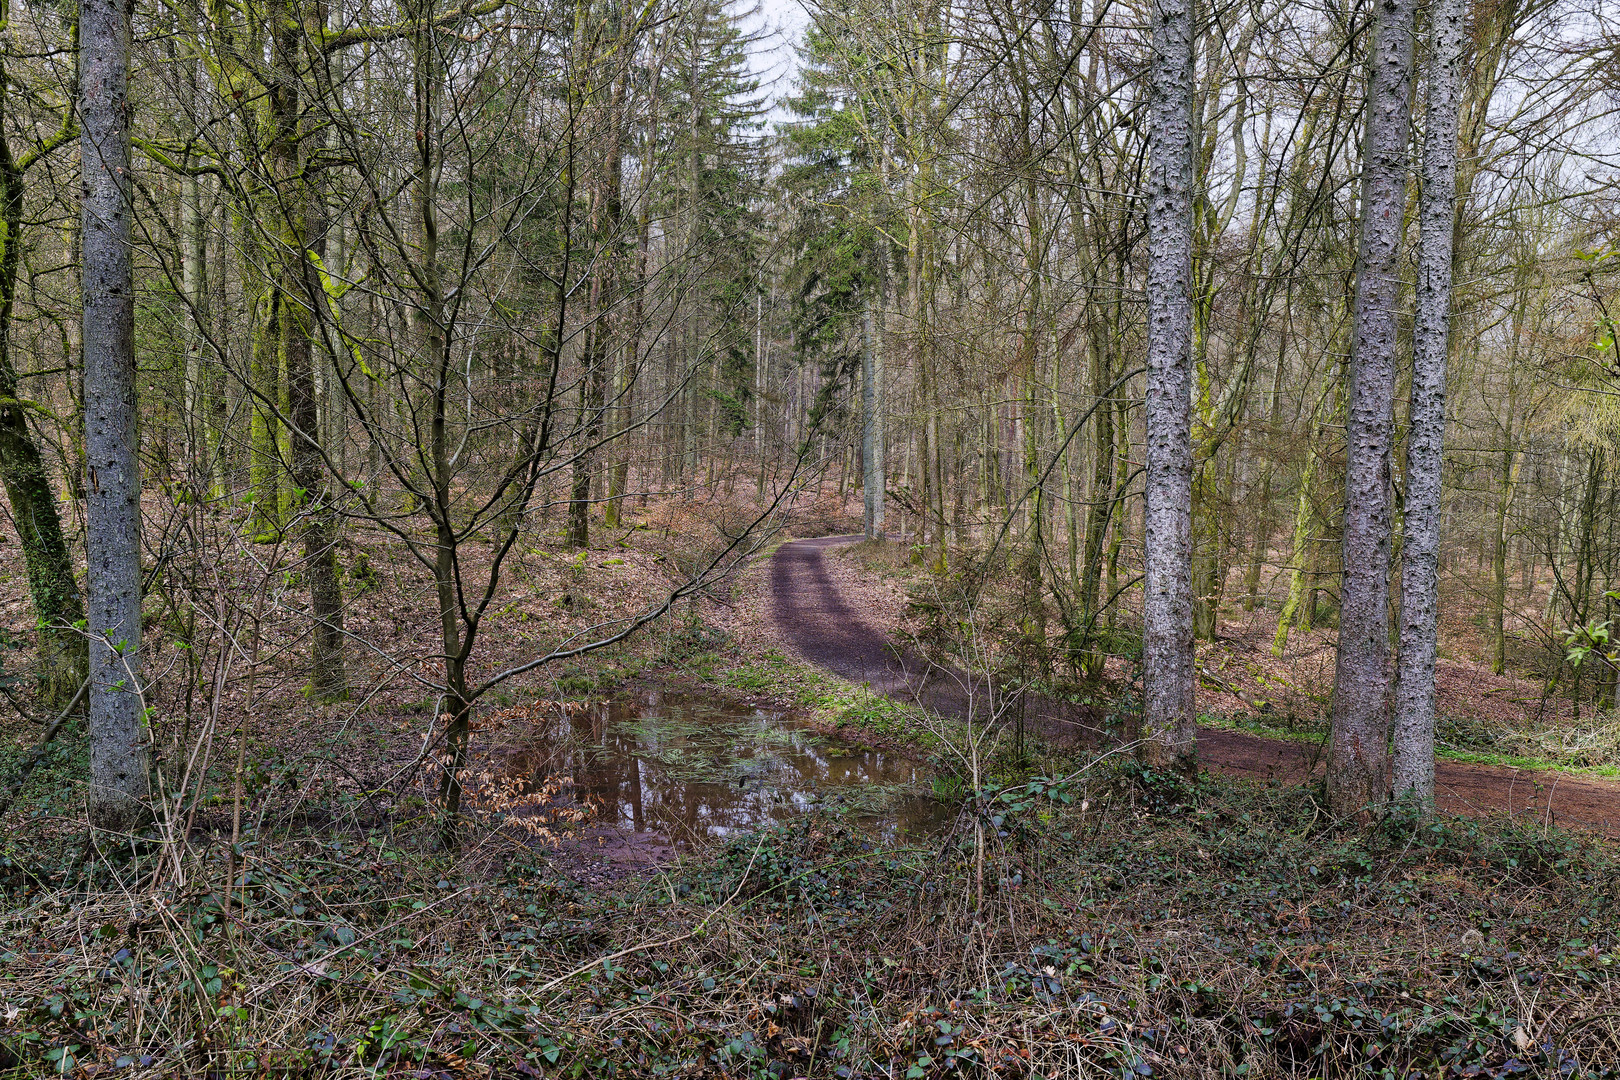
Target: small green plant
x=362, y=576
x=575, y=682
x=1159, y=791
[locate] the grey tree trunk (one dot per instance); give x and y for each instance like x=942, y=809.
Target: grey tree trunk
x=872, y=413
x=118, y=754
x=196, y=404
x=1358, y=756
x=198, y=414
x=1167, y=627
x=1414, y=687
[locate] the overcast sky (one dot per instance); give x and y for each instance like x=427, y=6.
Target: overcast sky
x=780, y=21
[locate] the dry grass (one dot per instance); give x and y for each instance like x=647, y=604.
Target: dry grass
x=1591, y=742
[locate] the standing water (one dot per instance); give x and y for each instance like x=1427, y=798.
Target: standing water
x=692, y=769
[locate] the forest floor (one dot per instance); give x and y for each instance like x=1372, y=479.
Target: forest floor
x=1075, y=917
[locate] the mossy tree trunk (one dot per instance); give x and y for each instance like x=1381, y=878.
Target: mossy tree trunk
x=63, y=657
x=302, y=245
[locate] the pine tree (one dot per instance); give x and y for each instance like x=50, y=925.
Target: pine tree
x=837, y=238
x=711, y=108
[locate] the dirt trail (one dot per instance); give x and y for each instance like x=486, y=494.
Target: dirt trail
x=817, y=618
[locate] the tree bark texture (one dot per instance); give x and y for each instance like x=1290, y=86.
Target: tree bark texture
x=1414, y=693
x=1167, y=622
x=118, y=752
x=197, y=413
x=1358, y=768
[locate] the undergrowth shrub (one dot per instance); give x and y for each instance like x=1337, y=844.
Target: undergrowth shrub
x=1069, y=926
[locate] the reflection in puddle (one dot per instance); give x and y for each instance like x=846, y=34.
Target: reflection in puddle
x=692, y=769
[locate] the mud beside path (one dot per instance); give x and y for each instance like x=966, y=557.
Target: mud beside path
x=828, y=627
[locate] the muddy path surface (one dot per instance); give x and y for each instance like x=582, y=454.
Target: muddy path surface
x=830, y=628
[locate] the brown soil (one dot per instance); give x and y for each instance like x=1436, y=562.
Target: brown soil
x=845, y=626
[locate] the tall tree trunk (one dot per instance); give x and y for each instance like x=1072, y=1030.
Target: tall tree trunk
x=454, y=708
x=1122, y=516
x=1358, y=767
x=762, y=390
x=264, y=385
x=1559, y=545
x=1101, y=495
x=1507, y=484
x=1420, y=563
x=302, y=235
x=1032, y=375
x=632, y=356
x=202, y=383
x=336, y=363
x=118, y=753
x=1586, y=558
x=55, y=595
x=1300, y=557
x=606, y=218
x=1259, y=541
x=872, y=415
x=929, y=526
x=198, y=413
x=226, y=401
x=1167, y=644
x=1263, y=523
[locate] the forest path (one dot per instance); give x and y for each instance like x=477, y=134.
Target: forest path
x=846, y=634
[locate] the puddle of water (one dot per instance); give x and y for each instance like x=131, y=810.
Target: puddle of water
x=692, y=769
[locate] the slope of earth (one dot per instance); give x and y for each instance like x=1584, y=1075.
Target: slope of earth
x=823, y=610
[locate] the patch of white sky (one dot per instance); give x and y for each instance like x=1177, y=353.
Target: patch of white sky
x=1531, y=97
x=774, y=28
x=1553, y=124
